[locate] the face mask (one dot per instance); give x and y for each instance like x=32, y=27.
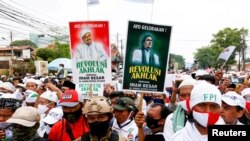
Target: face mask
x=42, y=108
x=151, y=122
x=73, y=117
x=126, y=121
x=99, y=128
x=47, y=129
x=8, y=134
x=206, y=118
x=60, y=68
x=18, y=94
x=161, y=101
x=7, y=128
x=147, y=98
x=248, y=106
x=185, y=105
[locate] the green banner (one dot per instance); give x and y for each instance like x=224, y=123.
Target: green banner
x=146, y=57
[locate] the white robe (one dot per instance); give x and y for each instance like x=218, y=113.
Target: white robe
x=137, y=57
x=189, y=133
x=95, y=51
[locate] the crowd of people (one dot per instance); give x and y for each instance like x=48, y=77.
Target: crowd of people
x=37, y=108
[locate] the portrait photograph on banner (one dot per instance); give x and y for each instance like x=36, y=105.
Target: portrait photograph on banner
x=147, y=52
x=90, y=53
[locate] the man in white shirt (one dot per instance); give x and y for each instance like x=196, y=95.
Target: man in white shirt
x=90, y=50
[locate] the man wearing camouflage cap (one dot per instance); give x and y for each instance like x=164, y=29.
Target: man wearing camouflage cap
x=98, y=111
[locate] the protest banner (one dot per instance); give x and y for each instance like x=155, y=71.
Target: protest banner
x=90, y=55
x=147, y=53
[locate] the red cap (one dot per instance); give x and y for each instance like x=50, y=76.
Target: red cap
x=70, y=98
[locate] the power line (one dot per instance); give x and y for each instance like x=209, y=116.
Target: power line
x=13, y=14
x=53, y=18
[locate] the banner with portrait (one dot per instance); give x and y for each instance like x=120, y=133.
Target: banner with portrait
x=147, y=53
x=90, y=52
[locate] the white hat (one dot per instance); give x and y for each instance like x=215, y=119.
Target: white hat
x=233, y=99
x=53, y=116
x=201, y=72
x=245, y=92
x=28, y=74
x=51, y=96
x=39, y=83
x=84, y=31
x=42, y=79
x=31, y=96
x=8, y=86
x=21, y=85
x=188, y=82
x=204, y=92
x=70, y=74
x=7, y=95
x=31, y=80
x=27, y=116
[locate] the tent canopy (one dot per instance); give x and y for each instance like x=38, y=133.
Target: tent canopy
x=54, y=65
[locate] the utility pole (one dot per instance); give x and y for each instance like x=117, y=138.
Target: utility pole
x=239, y=60
x=117, y=40
x=12, y=54
x=243, y=45
x=121, y=51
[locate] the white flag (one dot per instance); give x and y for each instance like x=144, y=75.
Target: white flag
x=142, y=1
x=226, y=53
x=92, y=2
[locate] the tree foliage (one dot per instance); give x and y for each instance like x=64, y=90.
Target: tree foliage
x=174, y=58
x=206, y=57
x=222, y=39
x=23, y=43
x=62, y=50
x=54, y=51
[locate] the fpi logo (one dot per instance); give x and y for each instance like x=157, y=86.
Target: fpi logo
x=209, y=97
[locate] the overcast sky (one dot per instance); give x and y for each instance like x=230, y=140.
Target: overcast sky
x=193, y=21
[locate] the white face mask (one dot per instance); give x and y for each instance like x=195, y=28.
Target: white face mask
x=206, y=118
x=47, y=129
x=6, y=127
x=42, y=108
x=185, y=105
x=8, y=134
x=127, y=120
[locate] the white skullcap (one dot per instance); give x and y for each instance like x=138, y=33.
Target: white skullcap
x=201, y=72
x=31, y=80
x=204, y=92
x=245, y=92
x=8, y=86
x=188, y=82
x=84, y=31
x=49, y=95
